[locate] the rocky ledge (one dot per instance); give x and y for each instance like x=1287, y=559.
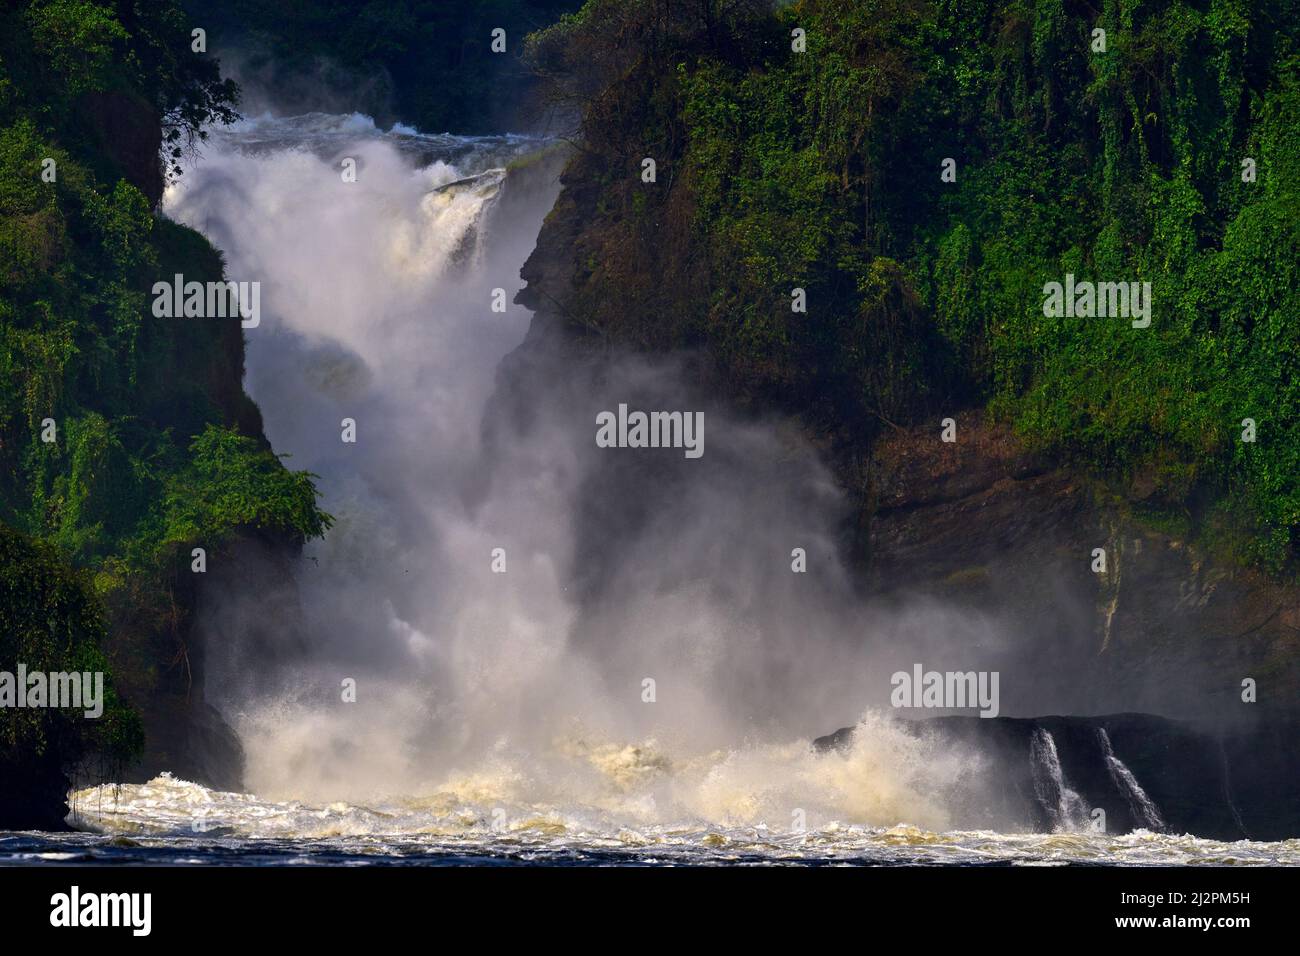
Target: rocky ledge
x=1138, y=770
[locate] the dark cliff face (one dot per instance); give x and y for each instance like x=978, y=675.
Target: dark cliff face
x=247, y=597
x=33, y=792
x=980, y=524
x=983, y=528
x=983, y=525
x=191, y=374
x=126, y=132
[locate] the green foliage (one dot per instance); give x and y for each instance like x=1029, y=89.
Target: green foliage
x=233, y=482
x=822, y=170
x=63, y=60
x=50, y=621
x=151, y=449
x=81, y=40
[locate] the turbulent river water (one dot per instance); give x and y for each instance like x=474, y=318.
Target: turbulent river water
x=489, y=725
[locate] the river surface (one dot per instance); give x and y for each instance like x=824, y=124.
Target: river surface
x=154, y=823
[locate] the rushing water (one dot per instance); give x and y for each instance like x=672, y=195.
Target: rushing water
x=155, y=823
x=1143, y=807
x=1065, y=808
x=503, y=718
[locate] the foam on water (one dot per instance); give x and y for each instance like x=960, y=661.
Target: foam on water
x=588, y=787
x=167, y=816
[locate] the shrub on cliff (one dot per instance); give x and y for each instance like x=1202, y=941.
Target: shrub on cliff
x=51, y=622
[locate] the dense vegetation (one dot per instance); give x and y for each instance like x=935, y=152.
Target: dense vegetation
x=428, y=63
x=125, y=440
x=821, y=170
x=51, y=621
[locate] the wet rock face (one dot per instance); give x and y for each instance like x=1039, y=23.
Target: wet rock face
x=551, y=268
x=190, y=740
x=33, y=791
x=246, y=624
x=242, y=618
x=1142, y=772
x=979, y=524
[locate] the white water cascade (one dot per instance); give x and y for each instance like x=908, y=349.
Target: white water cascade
x=1141, y=806
x=1065, y=809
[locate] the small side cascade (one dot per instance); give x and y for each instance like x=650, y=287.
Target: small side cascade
x=1142, y=806
x=1227, y=790
x=1065, y=809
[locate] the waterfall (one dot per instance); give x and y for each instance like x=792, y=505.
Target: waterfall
x=1142, y=806
x=1065, y=809
x=530, y=619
